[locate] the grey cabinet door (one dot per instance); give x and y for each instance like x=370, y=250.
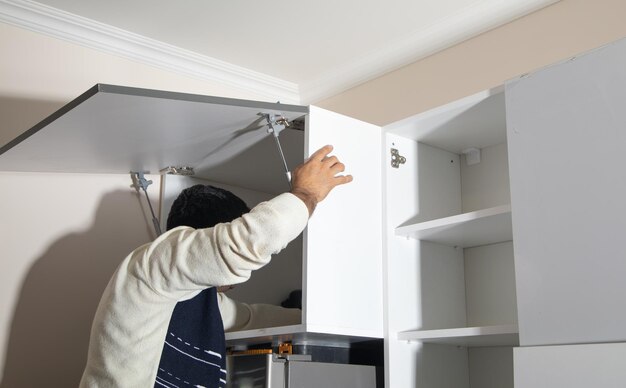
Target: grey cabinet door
x=566, y=127
x=116, y=129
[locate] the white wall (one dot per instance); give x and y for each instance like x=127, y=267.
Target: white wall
x=62, y=235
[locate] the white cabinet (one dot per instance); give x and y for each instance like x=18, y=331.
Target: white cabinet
x=450, y=282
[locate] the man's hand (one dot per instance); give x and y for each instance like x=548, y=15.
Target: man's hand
x=317, y=176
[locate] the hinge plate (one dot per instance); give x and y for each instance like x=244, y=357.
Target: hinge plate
x=396, y=158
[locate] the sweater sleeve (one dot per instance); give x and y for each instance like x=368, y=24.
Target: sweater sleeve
x=242, y=316
x=185, y=260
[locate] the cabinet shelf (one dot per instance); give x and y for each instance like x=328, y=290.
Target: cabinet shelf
x=301, y=334
x=499, y=335
x=481, y=227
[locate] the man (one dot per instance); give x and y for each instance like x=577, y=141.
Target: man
x=131, y=323
x=194, y=348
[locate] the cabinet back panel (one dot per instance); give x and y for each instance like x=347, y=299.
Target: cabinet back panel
x=486, y=184
x=442, y=290
x=437, y=176
x=442, y=366
x=491, y=367
x=490, y=285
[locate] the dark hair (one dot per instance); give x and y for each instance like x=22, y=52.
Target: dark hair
x=204, y=206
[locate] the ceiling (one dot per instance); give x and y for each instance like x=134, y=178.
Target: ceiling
x=318, y=47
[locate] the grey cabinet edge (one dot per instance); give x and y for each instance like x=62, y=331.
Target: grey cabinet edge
x=48, y=120
x=153, y=93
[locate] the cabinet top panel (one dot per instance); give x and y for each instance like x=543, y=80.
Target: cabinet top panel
x=475, y=121
x=116, y=129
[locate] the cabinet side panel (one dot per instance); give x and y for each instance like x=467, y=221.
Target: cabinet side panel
x=401, y=266
x=566, y=144
x=343, y=246
x=572, y=366
x=424, y=282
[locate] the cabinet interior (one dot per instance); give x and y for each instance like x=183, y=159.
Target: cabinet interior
x=450, y=271
x=273, y=283
x=115, y=129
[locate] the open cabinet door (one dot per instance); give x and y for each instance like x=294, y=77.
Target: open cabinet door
x=343, y=241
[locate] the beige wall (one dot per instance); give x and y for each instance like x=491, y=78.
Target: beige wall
x=544, y=37
x=62, y=235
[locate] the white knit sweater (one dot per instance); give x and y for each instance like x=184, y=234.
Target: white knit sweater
x=131, y=322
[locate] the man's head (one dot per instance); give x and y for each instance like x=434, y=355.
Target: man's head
x=204, y=206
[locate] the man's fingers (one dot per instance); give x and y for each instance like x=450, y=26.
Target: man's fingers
x=321, y=153
x=343, y=179
x=338, y=167
x=330, y=160
x=317, y=176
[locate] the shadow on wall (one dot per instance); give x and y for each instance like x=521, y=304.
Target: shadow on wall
x=49, y=334
x=19, y=114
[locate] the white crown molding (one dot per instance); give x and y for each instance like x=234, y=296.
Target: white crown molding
x=463, y=25
x=89, y=33
x=466, y=23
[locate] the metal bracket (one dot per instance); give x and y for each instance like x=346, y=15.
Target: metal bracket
x=139, y=180
x=297, y=124
x=396, y=158
x=278, y=120
x=141, y=183
x=275, y=124
x=178, y=170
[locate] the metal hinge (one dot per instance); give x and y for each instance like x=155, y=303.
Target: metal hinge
x=177, y=170
x=396, y=158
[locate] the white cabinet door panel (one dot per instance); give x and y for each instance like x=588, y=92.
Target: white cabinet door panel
x=567, y=137
x=343, y=241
